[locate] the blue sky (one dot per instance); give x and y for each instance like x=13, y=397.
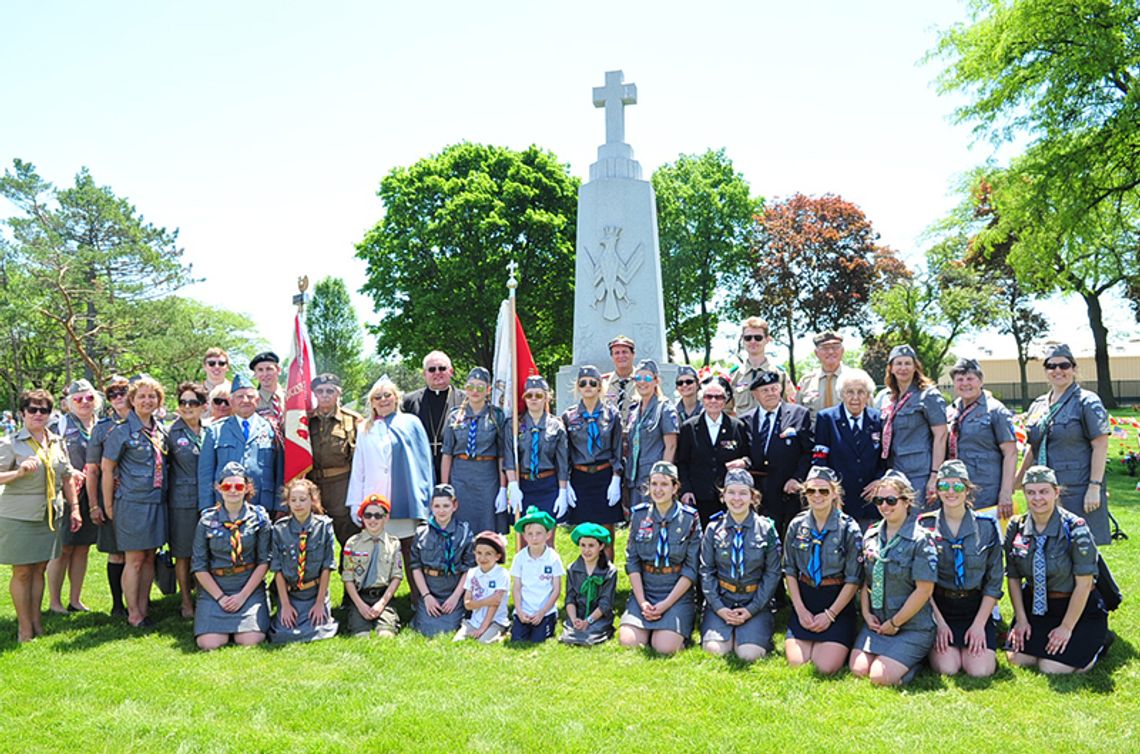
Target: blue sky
x=261, y=130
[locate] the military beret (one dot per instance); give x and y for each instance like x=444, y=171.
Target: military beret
x=80, y=386
x=666, y=468
x=589, y=370
x=495, y=541
x=764, y=378
x=953, y=469
x=593, y=531
x=372, y=499
x=1060, y=350
x=241, y=382
x=479, y=374
x=326, y=378
x=536, y=382
x=621, y=340
x=1040, y=475
x=825, y=473
x=648, y=365
x=964, y=365
x=686, y=370
x=264, y=356
x=827, y=336
x=535, y=515
x=738, y=476
x=233, y=468
x=443, y=490
x=903, y=350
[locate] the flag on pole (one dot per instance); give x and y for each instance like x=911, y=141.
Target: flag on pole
x=298, y=403
x=508, y=388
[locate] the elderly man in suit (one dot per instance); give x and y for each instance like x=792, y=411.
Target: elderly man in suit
x=245, y=437
x=780, y=439
x=848, y=438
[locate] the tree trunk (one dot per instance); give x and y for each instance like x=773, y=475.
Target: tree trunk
x=1100, y=339
x=1022, y=362
x=705, y=329
x=788, y=328
x=684, y=351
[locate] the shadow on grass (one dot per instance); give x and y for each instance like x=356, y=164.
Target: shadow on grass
x=1003, y=674
x=1100, y=679
x=93, y=629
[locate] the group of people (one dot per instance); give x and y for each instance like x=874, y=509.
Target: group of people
x=741, y=494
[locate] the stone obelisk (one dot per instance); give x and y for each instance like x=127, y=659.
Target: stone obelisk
x=618, y=271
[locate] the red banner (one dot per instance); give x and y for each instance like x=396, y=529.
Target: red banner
x=298, y=403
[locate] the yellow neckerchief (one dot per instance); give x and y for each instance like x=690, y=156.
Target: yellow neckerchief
x=44, y=455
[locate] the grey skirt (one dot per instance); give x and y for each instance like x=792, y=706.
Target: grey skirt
x=210, y=618
x=105, y=540
x=28, y=542
x=596, y=633
x=756, y=630
x=303, y=628
x=476, y=486
x=139, y=526
x=909, y=646
x=679, y=618
x=183, y=522
x=441, y=588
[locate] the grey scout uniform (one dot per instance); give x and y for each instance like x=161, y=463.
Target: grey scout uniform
x=106, y=538
x=476, y=482
x=284, y=558
x=607, y=449
x=980, y=431
x=841, y=547
x=75, y=440
x=553, y=446
x=441, y=573
x=683, y=534
x=212, y=553
x=912, y=441
x=601, y=629
x=1081, y=418
x=140, y=510
x=981, y=546
x=760, y=572
x=647, y=428
x=182, y=501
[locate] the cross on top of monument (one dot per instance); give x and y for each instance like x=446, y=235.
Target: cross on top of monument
x=614, y=96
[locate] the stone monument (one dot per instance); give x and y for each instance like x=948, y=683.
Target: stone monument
x=618, y=270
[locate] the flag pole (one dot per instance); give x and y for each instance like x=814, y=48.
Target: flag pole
x=512, y=284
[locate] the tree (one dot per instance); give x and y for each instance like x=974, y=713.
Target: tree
x=335, y=333
x=437, y=261
x=704, y=219
x=815, y=261
x=1062, y=75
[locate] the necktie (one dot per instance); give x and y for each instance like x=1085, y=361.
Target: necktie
x=373, y=564
x=854, y=421
x=815, y=565
x=889, y=414
x=302, y=547
x=448, y=546
x=828, y=390
x=959, y=561
x=1040, y=590
x=766, y=430
x=472, y=436
x=590, y=587
x=44, y=456
x=593, y=434
x=245, y=428
x=235, y=539
x=661, y=556
x=738, y=553
x=878, y=573
x=535, y=441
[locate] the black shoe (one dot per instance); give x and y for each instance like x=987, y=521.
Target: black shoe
x=1109, y=638
x=78, y=609
x=119, y=612
x=144, y=624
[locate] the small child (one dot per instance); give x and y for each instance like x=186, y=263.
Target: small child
x=537, y=573
x=442, y=553
x=486, y=592
x=302, y=557
x=372, y=567
x=591, y=584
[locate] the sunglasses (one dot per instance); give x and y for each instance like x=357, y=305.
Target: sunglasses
x=713, y=397
x=643, y=378
x=951, y=486
x=83, y=398
x=812, y=491
x=588, y=383
x=116, y=393
x=534, y=396
x=232, y=486
x=375, y=516
x=216, y=363
x=325, y=391
x=475, y=387
x=1064, y=366
x=192, y=403
x=891, y=500
x=747, y=338
x=433, y=370
x=44, y=410
x=683, y=383
x=382, y=396
x=221, y=402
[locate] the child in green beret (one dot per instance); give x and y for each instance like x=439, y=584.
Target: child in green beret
x=537, y=573
x=591, y=584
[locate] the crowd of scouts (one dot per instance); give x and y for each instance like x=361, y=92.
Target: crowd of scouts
x=872, y=518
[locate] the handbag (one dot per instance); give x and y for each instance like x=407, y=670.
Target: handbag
x=164, y=572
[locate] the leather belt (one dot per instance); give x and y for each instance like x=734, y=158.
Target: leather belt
x=592, y=469
x=466, y=457
x=435, y=573
x=1058, y=595
x=728, y=586
x=540, y=475
x=832, y=581
x=319, y=474
x=300, y=586
x=956, y=594
x=662, y=569
x=231, y=571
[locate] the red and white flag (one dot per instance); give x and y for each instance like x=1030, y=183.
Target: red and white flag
x=298, y=403
x=508, y=388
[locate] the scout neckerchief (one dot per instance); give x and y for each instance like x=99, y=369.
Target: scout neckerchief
x=635, y=441
x=593, y=434
x=535, y=445
x=889, y=420
x=373, y=563
x=956, y=425
x=661, y=556
x=878, y=573
x=472, y=435
x=622, y=382
x=235, y=535
x=1047, y=424
x=737, y=550
x=302, y=553
x=43, y=453
x=1040, y=589
x=448, y=544
x=590, y=586
x=815, y=565
x=957, y=544
x=157, y=445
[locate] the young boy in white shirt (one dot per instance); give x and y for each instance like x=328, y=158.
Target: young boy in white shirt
x=537, y=572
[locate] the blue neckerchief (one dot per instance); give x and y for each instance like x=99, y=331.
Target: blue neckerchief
x=815, y=565
x=593, y=434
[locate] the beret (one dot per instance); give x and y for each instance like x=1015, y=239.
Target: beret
x=535, y=515
x=326, y=378
x=764, y=378
x=264, y=356
x=593, y=531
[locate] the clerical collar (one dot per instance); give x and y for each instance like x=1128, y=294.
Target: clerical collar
x=439, y=392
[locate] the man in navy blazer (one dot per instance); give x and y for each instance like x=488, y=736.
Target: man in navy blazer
x=780, y=442
x=245, y=437
x=848, y=438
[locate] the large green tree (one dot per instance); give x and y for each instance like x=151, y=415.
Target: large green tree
x=335, y=333
x=705, y=215
x=1060, y=76
x=437, y=261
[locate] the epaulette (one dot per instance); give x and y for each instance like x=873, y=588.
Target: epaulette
x=643, y=506
x=928, y=520
x=714, y=517
x=353, y=414
x=688, y=509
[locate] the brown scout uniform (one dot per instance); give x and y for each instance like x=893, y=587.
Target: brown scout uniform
x=334, y=443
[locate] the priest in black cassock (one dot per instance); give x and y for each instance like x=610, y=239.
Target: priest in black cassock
x=433, y=402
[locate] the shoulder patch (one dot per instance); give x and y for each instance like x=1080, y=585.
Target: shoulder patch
x=687, y=509
x=641, y=507
x=714, y=517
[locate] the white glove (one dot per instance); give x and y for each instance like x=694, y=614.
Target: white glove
x=501, y=501
x=515, y=496
x=561, y=504
x=571, y=496
x=613, y=494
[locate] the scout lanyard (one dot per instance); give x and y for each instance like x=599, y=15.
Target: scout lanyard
x=956, y=426
x=889, y=422
x=1047, y=426
x=44, y=456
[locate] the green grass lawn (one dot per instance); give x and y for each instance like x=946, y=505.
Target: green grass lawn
x=90, y=684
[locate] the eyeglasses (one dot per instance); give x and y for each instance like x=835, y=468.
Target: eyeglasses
x=325, y=391
x=44, y=410
x=232, y=486
x=216, y=363
x=588, y=383
x=83, y=398
x=375, y=516
x=643, y=378
x=683, y=383
x=713, y=397
x=192, y=403
x=433, y=370
x=951, y=486
x=1064, y=366
x=118, y=392
x=221, y=402
x=534, y=397
x=891, y=501
x=747, y=338
x=812, y=491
